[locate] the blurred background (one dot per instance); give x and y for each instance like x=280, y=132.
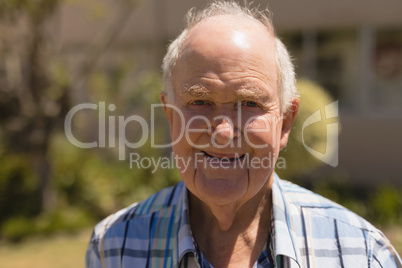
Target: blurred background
x=56, y=54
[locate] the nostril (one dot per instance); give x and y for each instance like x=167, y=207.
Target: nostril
x=236, y=132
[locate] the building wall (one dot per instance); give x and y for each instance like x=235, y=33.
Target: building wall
x=81, y=21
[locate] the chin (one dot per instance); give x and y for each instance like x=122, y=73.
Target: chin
x=221, y=191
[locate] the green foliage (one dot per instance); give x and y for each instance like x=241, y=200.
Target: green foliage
x=15, y=229
x=386, y=203
x=88, y=184
x=68, y=218
x=381, y=205
x=18, y=187
x=94, y=179
x=298, y=160
x=90, y=180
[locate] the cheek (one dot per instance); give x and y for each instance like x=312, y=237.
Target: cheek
x=186, y=132
x=176, y=127
x=263, y=133
x=183, y=152
x=196, y=130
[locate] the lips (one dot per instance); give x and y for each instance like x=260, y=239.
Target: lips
x=224, y=157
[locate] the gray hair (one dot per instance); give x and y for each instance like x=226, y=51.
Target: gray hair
x=285, y=69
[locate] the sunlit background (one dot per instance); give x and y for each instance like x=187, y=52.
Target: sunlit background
x=57, y=54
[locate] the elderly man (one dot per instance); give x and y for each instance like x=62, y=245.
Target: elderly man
x=230, y=101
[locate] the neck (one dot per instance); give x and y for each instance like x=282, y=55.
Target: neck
x=232, y=230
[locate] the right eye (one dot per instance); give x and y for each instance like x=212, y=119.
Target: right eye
x=198, y=102
x=250, y=104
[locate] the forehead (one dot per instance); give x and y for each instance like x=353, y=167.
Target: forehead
x=227, y=33
x=222, y=23
x=227, y=49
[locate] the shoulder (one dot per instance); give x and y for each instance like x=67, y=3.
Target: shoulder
x=139, y=211
x=130, y=227
x=305, y=200
x=323, y=220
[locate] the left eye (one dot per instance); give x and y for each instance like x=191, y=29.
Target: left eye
x=250, y=104
x=198, y=102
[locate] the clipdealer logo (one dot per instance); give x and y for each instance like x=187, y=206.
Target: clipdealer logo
x=330, y=156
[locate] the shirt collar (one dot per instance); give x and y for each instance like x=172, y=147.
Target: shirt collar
x=185, y=240
x=283, y=240
x=283, y=234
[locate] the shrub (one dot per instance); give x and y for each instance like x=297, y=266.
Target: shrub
x=298, y=160
x=18, y=187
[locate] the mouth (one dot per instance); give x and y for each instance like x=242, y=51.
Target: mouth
x=224, y=158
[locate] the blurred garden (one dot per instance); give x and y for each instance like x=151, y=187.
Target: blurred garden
x=53, y=192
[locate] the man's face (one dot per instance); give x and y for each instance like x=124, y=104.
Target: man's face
x=225, y=84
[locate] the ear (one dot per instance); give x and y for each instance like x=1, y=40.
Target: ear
x=168, y=110
x=287, y=122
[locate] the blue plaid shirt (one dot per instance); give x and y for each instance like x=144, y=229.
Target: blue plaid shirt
x=307, y=231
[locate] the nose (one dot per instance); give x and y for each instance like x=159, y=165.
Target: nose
x=223, y=130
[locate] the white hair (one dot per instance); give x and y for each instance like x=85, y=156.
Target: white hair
x=285, y=69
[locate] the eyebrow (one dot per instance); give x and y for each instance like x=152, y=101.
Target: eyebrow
x=196, y=91
x=252, y=93
x=243, y=93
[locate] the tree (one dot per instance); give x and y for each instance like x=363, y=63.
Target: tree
x=35, y=89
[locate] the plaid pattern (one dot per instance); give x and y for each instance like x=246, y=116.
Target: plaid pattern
x=307, y=231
